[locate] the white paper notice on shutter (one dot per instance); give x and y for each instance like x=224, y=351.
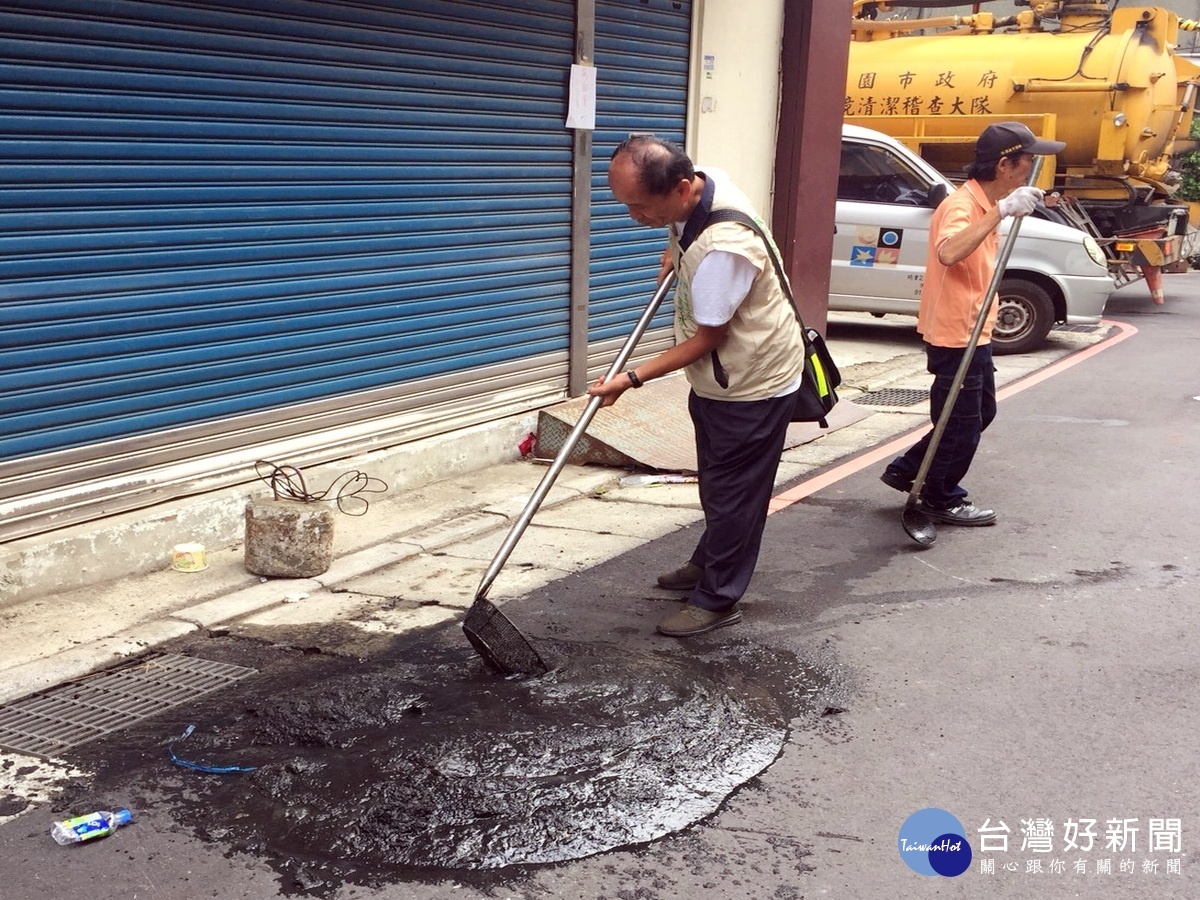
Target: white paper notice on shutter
x=581, y=111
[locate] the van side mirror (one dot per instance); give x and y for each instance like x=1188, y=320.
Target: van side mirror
x=937, y=194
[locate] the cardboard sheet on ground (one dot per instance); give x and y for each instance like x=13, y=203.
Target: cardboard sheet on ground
x=651, y=428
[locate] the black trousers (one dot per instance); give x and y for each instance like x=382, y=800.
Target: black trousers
x=738, y=445
x=973, y=412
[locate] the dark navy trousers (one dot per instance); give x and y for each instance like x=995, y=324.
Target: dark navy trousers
x=973, y=412
x=738, y=445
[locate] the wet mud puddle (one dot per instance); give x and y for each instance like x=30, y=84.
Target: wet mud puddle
x=430, y=761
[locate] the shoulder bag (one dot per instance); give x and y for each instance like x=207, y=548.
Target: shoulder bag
x=817, y=395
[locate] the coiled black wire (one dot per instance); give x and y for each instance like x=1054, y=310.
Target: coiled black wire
x=346, y=491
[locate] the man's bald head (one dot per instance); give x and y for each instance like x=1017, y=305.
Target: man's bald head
x=659, y=164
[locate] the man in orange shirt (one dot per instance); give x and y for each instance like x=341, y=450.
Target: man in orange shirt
x=963, y=240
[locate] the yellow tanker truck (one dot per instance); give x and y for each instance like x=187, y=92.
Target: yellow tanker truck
x=1108, y=82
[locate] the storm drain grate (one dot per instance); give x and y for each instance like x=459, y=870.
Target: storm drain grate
x=72, y=714
x=895, y=397
x=1081, y=329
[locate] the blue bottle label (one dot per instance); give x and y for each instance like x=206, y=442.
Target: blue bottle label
x=89, y=826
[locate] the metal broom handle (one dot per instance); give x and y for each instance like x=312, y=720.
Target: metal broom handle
x=560, y=460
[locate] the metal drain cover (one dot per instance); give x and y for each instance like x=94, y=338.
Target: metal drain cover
x=1081, y=329
x=75, y=713
x=895, y=397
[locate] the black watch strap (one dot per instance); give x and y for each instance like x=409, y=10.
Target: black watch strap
x=633, y=379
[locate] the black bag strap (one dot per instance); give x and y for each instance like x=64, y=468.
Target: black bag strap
x=698, y=220
x=736, y=215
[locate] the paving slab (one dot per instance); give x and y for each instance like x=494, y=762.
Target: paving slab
x=39, y=673
x=370, y=613
x=58, y=623
x=683, y=498
x=322, y=606
x=451, y=580
x=270, y=592
x=610, y=515
x=565, y=549
x=512, y=506
x=367, y=560
x=455, y=530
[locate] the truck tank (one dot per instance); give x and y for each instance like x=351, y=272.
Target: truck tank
x=1109, y=83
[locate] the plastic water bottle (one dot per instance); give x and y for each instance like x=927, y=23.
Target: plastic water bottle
x=85, y=828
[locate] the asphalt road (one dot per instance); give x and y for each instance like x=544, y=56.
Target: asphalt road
x=1032, y=679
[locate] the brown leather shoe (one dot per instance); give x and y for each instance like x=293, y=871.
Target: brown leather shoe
x=682, y=579
x=691, y=620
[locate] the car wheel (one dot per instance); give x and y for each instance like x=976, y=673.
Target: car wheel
x=1024, y=319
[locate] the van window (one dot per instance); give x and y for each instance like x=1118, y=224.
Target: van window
x=871, y=174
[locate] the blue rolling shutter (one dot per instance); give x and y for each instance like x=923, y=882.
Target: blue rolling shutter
x=233, y=209
x=642, y=53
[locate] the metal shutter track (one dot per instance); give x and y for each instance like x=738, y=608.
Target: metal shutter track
x=642, y=54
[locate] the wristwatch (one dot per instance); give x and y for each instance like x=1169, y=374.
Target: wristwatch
x=633, y=379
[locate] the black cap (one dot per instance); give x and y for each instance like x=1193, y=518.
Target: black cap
x=1004, y=138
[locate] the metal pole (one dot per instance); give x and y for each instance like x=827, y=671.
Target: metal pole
x=560, y=460
x=581, y=215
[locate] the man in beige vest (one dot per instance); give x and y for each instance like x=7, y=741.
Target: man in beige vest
x=740, y=345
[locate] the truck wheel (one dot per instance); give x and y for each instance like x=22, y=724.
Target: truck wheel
x=1025, y=317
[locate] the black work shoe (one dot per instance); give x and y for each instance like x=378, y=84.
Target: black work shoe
x=966, y=513
x=682, y=579
x=896, y=481
x=691, y=620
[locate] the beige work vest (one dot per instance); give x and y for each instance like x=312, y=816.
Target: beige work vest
x=763, y=350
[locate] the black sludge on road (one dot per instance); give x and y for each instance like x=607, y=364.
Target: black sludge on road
x=433, y=763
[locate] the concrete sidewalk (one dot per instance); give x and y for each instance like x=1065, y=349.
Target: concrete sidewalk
x=415, y=560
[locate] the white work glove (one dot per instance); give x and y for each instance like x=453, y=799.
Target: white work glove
x=1021, y=202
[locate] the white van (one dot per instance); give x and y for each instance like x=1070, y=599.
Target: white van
x=885, y=200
